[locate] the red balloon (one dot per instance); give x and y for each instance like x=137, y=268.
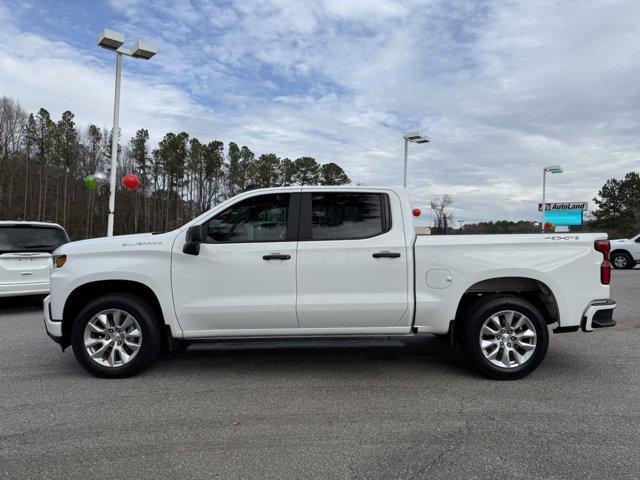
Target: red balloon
x=130, y=181
x=548, y=225
x=416, y=212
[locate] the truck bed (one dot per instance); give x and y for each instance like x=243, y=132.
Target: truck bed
x=448, y=266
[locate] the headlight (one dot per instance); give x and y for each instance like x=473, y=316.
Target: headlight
x=59, y=260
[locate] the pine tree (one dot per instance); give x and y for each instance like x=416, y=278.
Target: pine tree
x=213, y=173
x=195, y=169
x=67, y=151
x=267, y=169
x=234, y=176
x=247, y=168
x=286, y=172
x=140, y=156
x=30, y=139
x=332, y=174
x=307, y=171
x=45, y=137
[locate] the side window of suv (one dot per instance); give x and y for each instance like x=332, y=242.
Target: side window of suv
x=349, y=216
x=257, y=219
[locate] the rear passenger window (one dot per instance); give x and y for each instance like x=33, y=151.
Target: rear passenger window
x=348, y=216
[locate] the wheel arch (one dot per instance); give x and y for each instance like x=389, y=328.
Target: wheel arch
x=621, y=250
x=533, y=290
x=86, y=292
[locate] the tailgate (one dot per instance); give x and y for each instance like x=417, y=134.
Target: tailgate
x=24, y=267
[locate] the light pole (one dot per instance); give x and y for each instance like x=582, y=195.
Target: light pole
x=414, y=137
x=550, y=169
x=113, y=41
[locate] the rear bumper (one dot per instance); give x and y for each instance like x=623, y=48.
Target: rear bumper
x=54, y=328
x=599, y=314
x=22, y=289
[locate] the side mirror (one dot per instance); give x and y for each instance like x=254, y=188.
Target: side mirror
x=194, y=239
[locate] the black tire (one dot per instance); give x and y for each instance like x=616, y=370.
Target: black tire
x=150, y=342
x=471, y=325
x=622, y=261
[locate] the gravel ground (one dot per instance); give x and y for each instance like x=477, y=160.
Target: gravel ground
x=370, y=411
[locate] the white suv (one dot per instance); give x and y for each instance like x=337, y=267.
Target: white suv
x=25, y=256
x=625, y=253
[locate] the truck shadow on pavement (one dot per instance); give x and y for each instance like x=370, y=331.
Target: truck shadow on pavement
x=26, y=304
x=367, y=357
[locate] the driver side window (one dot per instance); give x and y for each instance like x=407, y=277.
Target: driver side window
x=257, y=219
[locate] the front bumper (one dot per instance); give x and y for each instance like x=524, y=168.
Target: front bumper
x=599, y=314
x=22, y=289
x=54, y=328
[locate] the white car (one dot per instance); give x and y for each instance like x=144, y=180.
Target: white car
x=625, y=253
x=25, y=256
x=324, y=262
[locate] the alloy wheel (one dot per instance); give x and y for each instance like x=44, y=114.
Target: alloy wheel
x=620, y=261
x=112, y=338
x=508, y=339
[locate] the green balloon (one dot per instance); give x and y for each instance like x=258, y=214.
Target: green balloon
x=90, y=182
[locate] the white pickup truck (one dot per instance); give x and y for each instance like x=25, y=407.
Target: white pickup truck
x=324, y=262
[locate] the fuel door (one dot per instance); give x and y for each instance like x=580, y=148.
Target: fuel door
x=439, y=278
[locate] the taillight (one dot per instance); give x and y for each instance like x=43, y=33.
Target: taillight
x=604, y=247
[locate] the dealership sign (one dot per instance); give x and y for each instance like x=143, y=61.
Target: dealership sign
x=564, y=213
x=564, y=206
x=563, y=217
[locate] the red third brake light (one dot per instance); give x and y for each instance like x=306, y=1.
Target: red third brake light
x=604, y=247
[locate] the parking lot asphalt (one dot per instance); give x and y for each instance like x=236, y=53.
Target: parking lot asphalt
x=375, y=411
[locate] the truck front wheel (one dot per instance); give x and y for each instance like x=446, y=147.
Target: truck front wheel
x=504, y=337
x=622, y=260
x=115, y=336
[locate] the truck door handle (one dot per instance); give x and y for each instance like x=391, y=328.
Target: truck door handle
x=276, y=256
x=386, y=255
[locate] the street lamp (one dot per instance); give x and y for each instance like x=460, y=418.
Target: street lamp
x=550, y=169
x=144, y=50
x=414, y=137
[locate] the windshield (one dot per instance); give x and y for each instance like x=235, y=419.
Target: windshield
x=26, y=238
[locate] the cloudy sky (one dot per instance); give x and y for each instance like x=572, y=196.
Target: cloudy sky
x=502, y=88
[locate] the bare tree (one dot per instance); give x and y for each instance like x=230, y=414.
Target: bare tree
x=13, y=119
x=439, y=207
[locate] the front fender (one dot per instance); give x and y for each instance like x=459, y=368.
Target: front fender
x=154, y=273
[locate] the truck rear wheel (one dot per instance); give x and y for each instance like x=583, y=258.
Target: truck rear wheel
x=504, y=337
x=115, y=336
